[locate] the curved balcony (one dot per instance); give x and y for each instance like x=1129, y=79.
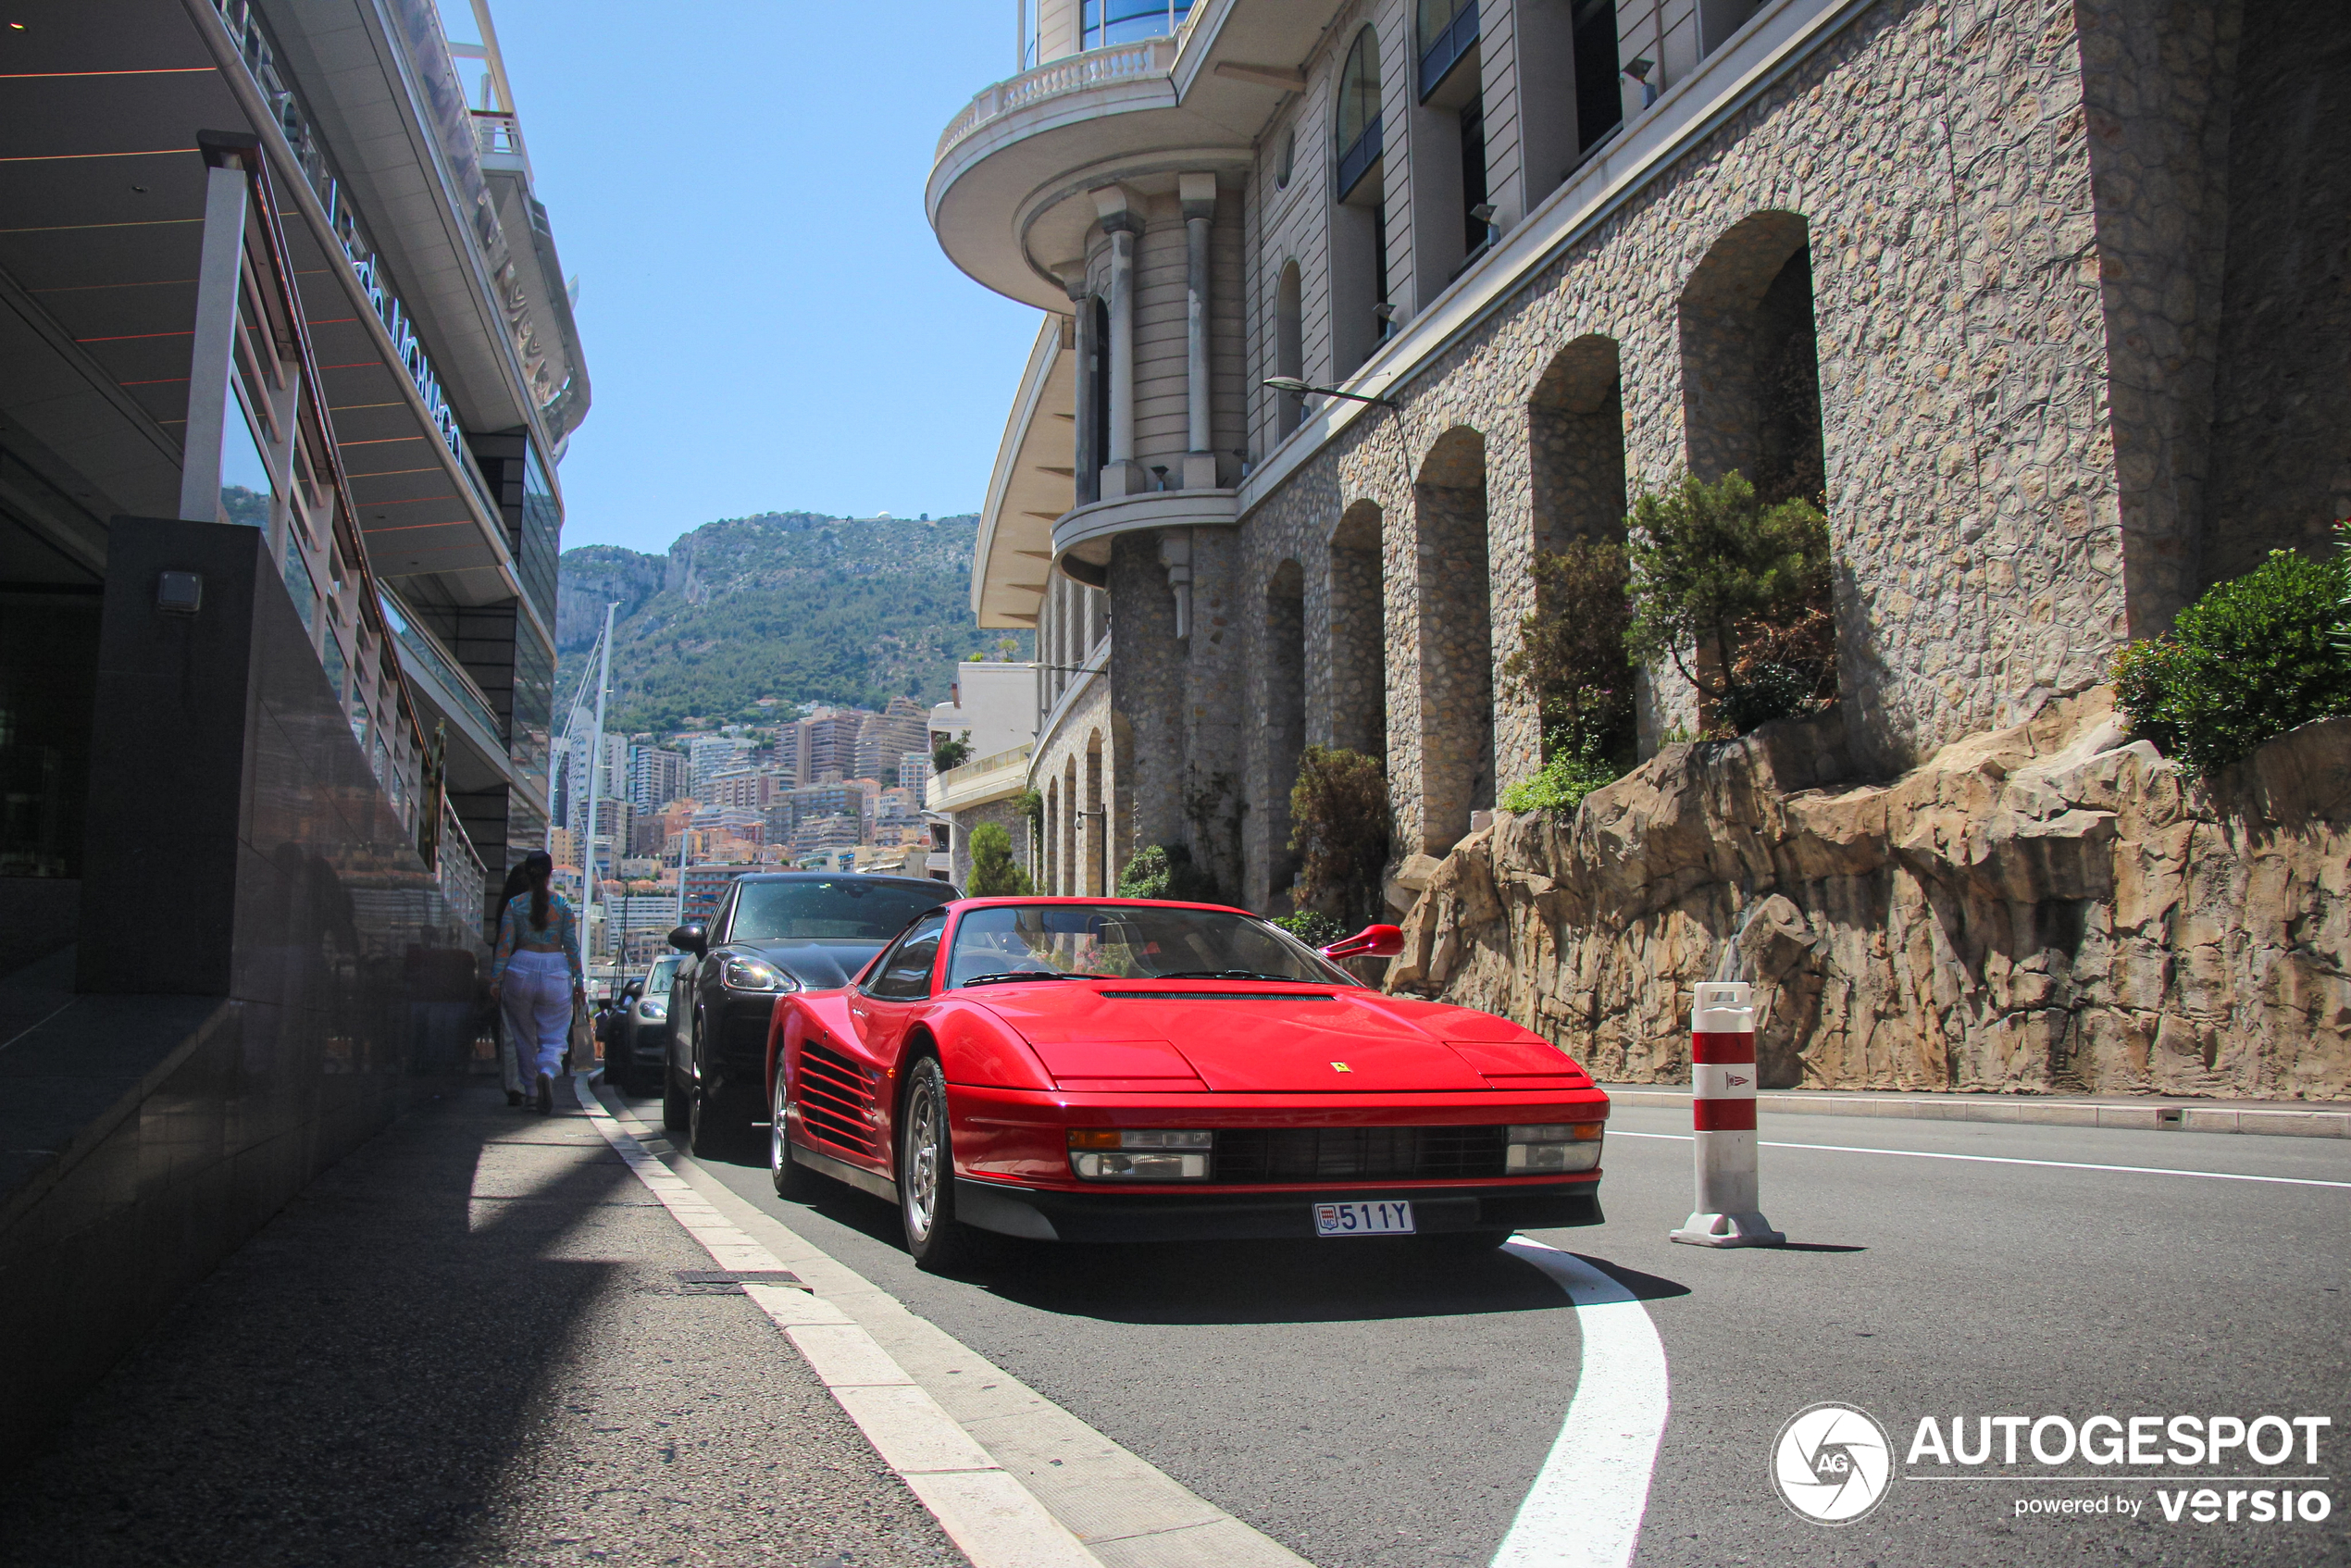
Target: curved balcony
x=978, y=781
x=1086, y=533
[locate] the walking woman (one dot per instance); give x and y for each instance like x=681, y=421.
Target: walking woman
x=535, y=976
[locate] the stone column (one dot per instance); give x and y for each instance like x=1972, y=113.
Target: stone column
x=1120, y=474
x=1199, y=193
x=219, y=282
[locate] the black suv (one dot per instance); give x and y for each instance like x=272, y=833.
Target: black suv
x=774, y=933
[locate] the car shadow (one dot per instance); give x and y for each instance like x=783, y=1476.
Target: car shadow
x=1644, y=1287
x=1309, y=1280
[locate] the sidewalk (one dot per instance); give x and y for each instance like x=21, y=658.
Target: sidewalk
x=2292, y=1119
x=467, y=1344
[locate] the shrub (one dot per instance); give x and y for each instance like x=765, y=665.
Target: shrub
x=1339, y=827
x=948, y=753
x=1572, y=774
x=1166, y=871
x=1570, y=655
x=2252, y=659
x=994, y=875
x=1313, y=927
x=1745, y=586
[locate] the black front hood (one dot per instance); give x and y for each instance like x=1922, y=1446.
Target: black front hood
x=816, y=965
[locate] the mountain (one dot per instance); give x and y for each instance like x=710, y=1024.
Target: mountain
x=791, y=605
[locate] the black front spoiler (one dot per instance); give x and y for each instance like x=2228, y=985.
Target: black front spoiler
x=1206, y=1216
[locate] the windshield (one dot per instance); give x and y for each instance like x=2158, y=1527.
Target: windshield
x=831, y=908
x=1128, y=942
x=657, y=977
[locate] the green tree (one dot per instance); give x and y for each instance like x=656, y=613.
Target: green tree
x=2252, y=659
x=1339, y=825
x=1744, y=588
x=1571, y=654
x=994, y=875
x=1167, y=871
x=950, y=753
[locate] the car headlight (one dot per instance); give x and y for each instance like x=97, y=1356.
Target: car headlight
x=652, y=1011
x=756, y=975
x=1556, y=1146
x=1121, y=1155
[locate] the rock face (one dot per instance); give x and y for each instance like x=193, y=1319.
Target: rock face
x=2052, y=908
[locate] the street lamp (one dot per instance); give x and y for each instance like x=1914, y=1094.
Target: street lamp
x=1298, y=387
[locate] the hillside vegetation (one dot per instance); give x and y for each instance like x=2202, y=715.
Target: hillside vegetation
x=791, y=605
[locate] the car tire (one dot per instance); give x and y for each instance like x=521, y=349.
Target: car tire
x=935, y=1239
x=715, y=1129
x=674, y=1112
x=784, y=1174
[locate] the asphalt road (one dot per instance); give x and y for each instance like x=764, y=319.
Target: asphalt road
x=1371, y=1406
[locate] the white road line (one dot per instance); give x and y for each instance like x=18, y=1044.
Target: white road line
x=2006, y=1160
x=1585, y=1508
x=983, y=1508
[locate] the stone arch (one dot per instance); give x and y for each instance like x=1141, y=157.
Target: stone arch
x=1289, y=347
x=1455, y=673
x=1282, y=733
x=1357, y=717
x=1575, y=440
x=1750, y=366
x=1094, y=824
x=1575, y=467
x=1066, y=884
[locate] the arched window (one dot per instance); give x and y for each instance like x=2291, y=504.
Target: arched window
x=1446, y=29
x=1105, y=22
x=1358, y=133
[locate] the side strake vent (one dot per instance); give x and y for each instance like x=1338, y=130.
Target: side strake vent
x=835, y=1098
x=1218, y=996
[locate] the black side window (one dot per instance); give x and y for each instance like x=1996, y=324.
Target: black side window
x=904, y=975
x=723, y=919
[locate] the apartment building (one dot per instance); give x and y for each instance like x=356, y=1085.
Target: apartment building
x=290, y=367
x=656, y=777
x=993, y=707
x=2020, y=290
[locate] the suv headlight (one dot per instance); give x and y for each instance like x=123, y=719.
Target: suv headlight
x=742, y=974
x=652, y=1010
x=1556, y=1146
x=1108, y=1154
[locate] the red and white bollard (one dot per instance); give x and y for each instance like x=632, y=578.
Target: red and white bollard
x=1722, y=1115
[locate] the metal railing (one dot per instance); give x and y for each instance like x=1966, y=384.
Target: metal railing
x=464, y=882
x=1075, y=73
x=424, y=649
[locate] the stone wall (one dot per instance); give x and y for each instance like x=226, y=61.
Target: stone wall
x=2048, y=908
x=1934, y=165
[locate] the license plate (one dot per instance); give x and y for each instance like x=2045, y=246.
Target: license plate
x=1363, y=1219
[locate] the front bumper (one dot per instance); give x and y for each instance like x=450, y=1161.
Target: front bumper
x=645, y=1043
x=1202, y=1214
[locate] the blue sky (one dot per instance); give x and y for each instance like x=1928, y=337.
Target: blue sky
x=769, y=322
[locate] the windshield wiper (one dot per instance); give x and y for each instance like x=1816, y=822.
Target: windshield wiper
x=1004, y=974
x=1226, y=975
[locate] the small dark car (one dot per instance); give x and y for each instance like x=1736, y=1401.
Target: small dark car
x=641, y=1037
x=772, y=934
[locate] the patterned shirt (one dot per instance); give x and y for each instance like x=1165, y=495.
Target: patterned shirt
x=515, y=933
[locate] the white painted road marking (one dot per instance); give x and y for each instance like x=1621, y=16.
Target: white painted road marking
x=2006, y=1160
x=1585, y=1508
x=983, y=1508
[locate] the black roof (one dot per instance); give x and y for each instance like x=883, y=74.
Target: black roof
x=946, y=889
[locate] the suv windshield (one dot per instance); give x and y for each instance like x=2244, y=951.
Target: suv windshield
x=657, y=978
x=1128, y=942
x=830, y=909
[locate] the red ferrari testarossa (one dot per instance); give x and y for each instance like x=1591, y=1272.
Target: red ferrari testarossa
x=1123, y=1070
